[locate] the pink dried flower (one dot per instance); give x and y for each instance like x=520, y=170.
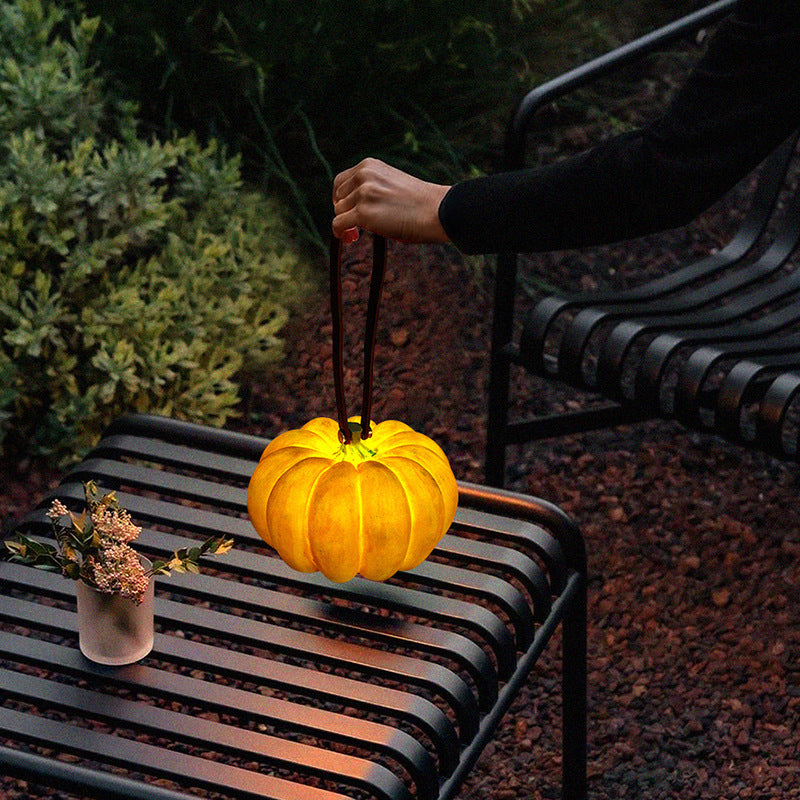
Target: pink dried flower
x=95, y=547
x=114, y=524
x=118, y=570
x=57, y=510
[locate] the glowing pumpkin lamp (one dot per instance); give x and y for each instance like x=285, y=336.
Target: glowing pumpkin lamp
x=368, y=507
x=347, y=498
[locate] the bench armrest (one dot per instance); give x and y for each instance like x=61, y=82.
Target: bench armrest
x=535, y=99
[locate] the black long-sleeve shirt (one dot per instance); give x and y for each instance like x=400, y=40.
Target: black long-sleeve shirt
x=737, y=105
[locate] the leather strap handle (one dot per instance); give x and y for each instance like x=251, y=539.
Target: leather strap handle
x=373, y=304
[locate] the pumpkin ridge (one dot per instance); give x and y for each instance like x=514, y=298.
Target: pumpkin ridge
x=443, y=476
x=295, y=438
x=396, y=526
x=333, y=535
x=309, y=499
x=360, y=503
x=400, y=475
x=277, y=539
x=263, y=481
x=442, y=523
x=415, y=440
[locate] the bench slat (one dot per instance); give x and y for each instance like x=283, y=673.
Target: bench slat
x=312, y=648
x=193, y=730
x=115, y=750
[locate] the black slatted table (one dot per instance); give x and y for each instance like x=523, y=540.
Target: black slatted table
x=268, y=683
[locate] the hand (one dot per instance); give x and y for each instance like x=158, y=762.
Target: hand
x=388, y=202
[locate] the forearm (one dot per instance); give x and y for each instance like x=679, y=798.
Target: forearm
x=590, y=199
x=740, y=102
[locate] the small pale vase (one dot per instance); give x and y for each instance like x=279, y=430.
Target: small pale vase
x=113, y=629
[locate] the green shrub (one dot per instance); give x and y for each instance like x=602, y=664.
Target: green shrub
x=136, y=274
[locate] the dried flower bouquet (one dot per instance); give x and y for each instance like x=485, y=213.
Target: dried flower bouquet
x=95, y=547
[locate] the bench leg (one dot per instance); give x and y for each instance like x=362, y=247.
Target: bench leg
x=573, y=688
x=497, y=421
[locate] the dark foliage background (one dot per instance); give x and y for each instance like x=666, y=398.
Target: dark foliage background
x=304, y=88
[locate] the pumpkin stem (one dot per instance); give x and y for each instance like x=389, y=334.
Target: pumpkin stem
x=356, y=449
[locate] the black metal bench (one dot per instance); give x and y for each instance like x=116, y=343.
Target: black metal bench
x=267, y=683
x=714, y=345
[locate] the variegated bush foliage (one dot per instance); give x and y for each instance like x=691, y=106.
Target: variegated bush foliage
x=135, y=274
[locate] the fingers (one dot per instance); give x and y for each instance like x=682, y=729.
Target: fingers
x=347, y=217
x=345, y=225
x=372, y=195
x=350, y=207
x=347, y=182
x=341, y=185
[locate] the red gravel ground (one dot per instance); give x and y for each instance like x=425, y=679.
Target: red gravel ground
x=694, y=641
